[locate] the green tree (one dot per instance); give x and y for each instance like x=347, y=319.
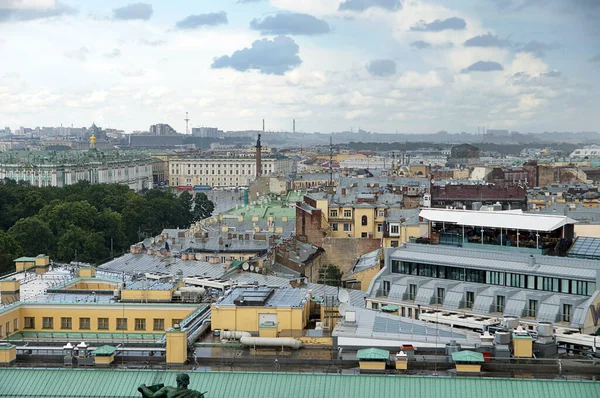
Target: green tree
x=9, y=251
x=88, y=246
x=203, y=207
x=61, y=216
x=33, y=235
x=330, y=275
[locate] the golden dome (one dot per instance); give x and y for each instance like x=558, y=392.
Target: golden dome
x=93, y=139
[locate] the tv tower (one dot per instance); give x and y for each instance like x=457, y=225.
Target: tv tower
x=187, y=121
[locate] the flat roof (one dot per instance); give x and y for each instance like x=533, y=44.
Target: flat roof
x=498, y=219
x=124, y=383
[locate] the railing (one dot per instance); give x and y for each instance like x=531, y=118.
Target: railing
x=382, y=293
x=496, y=308
x=563, y=318
x=408, y=296
x=465, y=304
x=436, y=300
x=528, y=313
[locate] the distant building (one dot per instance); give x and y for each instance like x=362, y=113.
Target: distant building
x=459, y=196
x=162, y=129
x=207, y=132
x=154, y=141
x=464, y=155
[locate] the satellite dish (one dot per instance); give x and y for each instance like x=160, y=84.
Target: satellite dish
x=198, y=256
x=163, y=252
x=252, y=268
x=148, y=242
x=245, y=266
x=343, y=308
x=343, y=296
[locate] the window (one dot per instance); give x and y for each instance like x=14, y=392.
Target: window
x=440, y=295
x=363, y=234
x=29, y=322
x=364, y=220
x=140, y=324
x=7, y=328
x=48, y=323
x=412, y=292
x=102, y=323
x=375, y=306
x=394, y=243
x=333, y=213
x=380, y=213
x=532, y=308
x=500, y=303
x=15, y=324
x=121, y=323
x=66, y=323
x=379, y=227
x=1, y=335
x=470, y=299
x=347, y=227
x=567, y=311
x=347, y=213
x=159, y=324
x=394, y=229
x=386, y=287
x=334, y=227
x=84, y=323
x=409, y=312
x=175, y=322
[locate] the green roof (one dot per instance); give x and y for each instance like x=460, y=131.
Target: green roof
x=390, y=307
x=467, y=356
x=373, y=353
x=6, y=346
x=104, y=350
x=83, y=383
x=521, y=336
x=25, y=259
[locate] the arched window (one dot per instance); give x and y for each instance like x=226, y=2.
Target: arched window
x=364, y=220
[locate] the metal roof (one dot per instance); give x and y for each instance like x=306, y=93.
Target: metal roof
x=467, y=356
x=121, y=383
x=498, y=219
x=373, y=353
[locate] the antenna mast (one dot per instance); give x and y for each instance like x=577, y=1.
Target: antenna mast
x=330, y=161
x=187, y=120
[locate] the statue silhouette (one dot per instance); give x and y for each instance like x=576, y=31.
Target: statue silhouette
x=181, y=391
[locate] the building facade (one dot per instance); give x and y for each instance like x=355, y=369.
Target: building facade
x=222, y=171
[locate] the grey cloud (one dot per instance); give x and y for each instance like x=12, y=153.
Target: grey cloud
x=420, y=44
x=595, y=58
x=152, y=43
x=488, y=40
x=552, y=73
x=141, y=11
x=200, y=20
x=113, y=54
x=8, y=13
x=538, y=48
x=271, y=57
x=361, y=5
x=382, y=67
x=483, y=66
x=248, y=1
x=439, y=25
x=79, y=54
x=290, y=24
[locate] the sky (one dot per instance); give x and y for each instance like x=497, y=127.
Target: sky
x=406, y=66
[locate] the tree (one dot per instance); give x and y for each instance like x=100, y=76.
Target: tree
x=330, y=275
x=203, y=207
x=9, y=251
x=88, y=246
x=33, y=235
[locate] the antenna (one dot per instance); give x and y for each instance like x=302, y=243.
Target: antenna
x=330, y=161
x=294, y=127
x=187, y=120
x=263, y=125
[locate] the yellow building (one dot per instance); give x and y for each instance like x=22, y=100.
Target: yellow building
x=268, y=312
x=363, y=271
x=40, y=263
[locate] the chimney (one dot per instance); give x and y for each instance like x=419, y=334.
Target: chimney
x=220, y=240
x=531, y=260
x=294, y=127
x=343, y=191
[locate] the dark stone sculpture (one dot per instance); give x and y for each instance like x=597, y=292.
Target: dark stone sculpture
x=181, y=391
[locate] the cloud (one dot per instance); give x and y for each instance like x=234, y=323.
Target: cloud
x=382, y=67
x=362, y=5
x=483, y=66
x=439, y=25
x=538, y=48
x=420, y=44
x=132, y=72
x=488, y=40
x=16, y=10
x=113, y=54
x=248, y=1
x=78, y=54
x=270, y=57
x=552, y=73
x=200, y=20
x=290, y=24
x=595, y=58
x=152, y=43
x=140, y=11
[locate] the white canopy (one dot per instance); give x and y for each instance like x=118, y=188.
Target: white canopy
x=498, y=219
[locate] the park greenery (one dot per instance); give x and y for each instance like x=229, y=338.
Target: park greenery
x=87, y=223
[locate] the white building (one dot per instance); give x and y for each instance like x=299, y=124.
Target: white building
x=222, y=171
x=591, y=151
x=135, y=173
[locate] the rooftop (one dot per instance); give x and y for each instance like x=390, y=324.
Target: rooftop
x=124, y=383
x=267, y=297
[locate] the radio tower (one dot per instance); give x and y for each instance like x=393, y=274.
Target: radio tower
x=187, y=121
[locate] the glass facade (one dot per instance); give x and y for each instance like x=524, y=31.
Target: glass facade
x=508, y=279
